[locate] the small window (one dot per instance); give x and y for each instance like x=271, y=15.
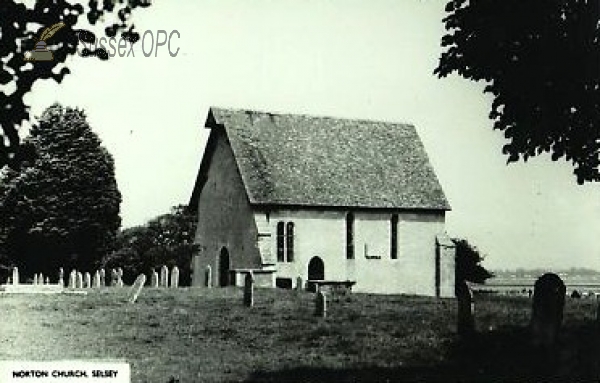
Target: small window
x=289, y=239
x=280, y=242
x=394, y=237
x=349, y=236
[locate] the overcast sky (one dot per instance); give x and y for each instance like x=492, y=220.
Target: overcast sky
x=357, y=59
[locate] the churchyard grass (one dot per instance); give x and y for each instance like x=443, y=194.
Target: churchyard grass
x=200, y=335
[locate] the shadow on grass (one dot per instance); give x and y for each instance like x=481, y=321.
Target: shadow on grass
x=502, y=355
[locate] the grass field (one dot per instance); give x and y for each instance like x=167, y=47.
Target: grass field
x=198, y=335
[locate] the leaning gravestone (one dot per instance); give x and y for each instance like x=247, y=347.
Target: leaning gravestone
x=249, y=290
x=15, y=276
x=208, y=276
x=154, y=279
x=547, y=312
x=465, y=319
x=321, y=304
x=164, y=276
x=175, y=277
x=139, y=283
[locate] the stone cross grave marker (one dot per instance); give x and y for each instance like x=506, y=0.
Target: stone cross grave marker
x=139, y=283
x=154, y=279
x=465, y=319
x=164, y=276
x=321, y=304
x=547, y=312
x=249, y=290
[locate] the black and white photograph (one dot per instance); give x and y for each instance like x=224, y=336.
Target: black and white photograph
x=299, y=191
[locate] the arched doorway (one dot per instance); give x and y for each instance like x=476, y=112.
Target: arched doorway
x=224, y=268
x=316, y=269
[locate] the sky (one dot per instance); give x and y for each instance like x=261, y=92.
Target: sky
x=355, y=59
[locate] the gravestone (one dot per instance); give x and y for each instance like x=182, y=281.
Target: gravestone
x=465, y=319
x=40, y=279
x=47, y=281
x=547, y=313
x=139, y=283
x=249, y=290
x=119, y=277
x=164, y=276
x=79, y=280
x=72, y=278
x=15, y=276
x=61, y=276
x=87, y=280
x=102, y=277
x=299, y=283
x=320, y=304
x=8, y=281
x=175, y=277
x=113, y=277
x=154, y=279
x=96, y=283
x=35, y=279
x=208, y=273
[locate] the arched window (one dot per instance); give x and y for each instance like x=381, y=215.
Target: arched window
x=349, y=236
x=394, y=237
x=289, y=239
x=280, y=242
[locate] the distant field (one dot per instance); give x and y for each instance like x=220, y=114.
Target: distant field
x=197, y=335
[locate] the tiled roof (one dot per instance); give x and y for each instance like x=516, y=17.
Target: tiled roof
x=287, y=159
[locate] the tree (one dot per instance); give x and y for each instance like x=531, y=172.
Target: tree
x=541, y=63
x=21, y=27
x=468, y=263
x=62, y=209
x=165, y=240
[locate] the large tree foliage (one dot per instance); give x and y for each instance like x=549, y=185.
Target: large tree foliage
x=541, y=62
x=468, y=263
x=165, y=240
x=20, y=29
x=62, y=208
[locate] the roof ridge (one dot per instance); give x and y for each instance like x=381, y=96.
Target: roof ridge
x=312, y=116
